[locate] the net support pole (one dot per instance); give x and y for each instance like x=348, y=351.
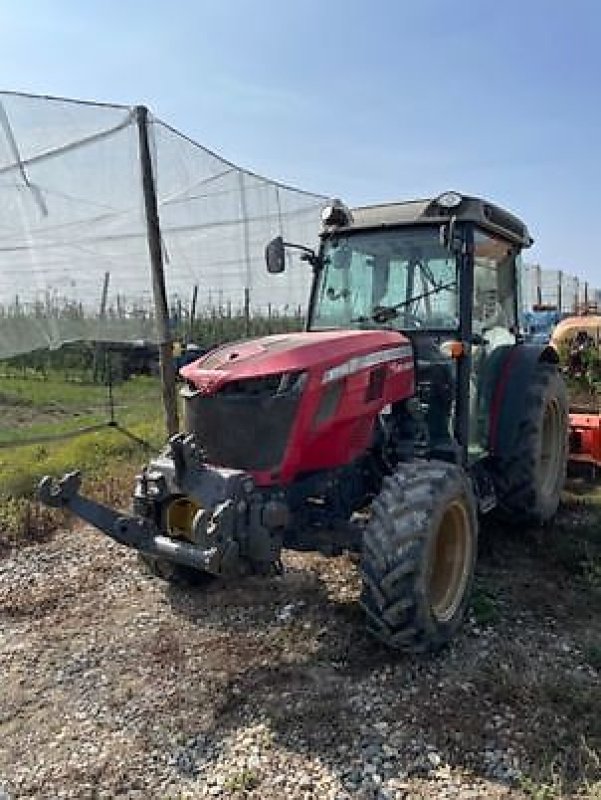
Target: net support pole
x=153, y=233
x=247, y=312
x=193, y=312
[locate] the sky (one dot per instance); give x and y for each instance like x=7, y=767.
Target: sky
x=367, y=101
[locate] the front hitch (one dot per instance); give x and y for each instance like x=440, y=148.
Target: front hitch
x=131, y=531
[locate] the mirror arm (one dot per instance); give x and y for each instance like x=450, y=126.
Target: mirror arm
x=307, y=254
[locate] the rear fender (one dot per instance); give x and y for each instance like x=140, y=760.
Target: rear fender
x=502, y=394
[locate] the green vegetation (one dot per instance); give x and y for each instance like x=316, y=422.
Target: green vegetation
x=243, y=781
x=224, y=324
x=211, y=327
x=484, y=607
x=35, y=406
x=583, y=376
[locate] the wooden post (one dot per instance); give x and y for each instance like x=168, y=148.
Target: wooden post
x=153, y=234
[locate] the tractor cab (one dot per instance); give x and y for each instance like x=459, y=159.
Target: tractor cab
x=443, y=272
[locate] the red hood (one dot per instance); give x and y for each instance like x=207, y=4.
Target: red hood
x=284, y=353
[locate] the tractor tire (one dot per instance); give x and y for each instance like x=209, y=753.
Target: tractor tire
x=419, y=554
x=530, y=473
x=177, y=574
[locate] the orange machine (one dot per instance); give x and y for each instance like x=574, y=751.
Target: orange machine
x=585, y=439
x=566, y=331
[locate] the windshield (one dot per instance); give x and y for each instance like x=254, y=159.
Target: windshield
x=399, y=278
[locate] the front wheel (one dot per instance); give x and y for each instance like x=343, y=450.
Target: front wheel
x=419, y=554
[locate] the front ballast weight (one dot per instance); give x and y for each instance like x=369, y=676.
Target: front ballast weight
x=185, y=512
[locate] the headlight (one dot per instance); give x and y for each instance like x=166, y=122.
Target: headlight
x=449, y=200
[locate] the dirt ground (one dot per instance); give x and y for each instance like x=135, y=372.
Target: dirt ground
x=114, y=684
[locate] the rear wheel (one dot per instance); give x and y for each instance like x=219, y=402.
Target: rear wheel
x=419, y=553
x=531, y=471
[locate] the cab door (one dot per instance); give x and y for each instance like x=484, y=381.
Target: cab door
x=494, y=323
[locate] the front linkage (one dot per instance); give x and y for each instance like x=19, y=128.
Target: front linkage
x=234, y=530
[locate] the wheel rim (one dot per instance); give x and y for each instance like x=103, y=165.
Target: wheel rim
x=451, y=559
x=551, y=446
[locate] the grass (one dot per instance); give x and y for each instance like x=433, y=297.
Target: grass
x=35, y=407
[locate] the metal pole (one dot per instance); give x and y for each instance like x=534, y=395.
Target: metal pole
x=105, y=294
x=559, y=291
x=247, y=312
x=193, y=312
x=101, y=315
x=153, y=233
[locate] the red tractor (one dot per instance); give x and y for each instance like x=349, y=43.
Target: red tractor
x=407, y=410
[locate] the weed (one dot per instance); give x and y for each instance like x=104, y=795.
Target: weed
x=243, y=781
x=484, y=607
x=23, y=522
x=539, y=791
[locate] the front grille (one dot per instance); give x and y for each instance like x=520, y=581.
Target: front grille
x=247, y=424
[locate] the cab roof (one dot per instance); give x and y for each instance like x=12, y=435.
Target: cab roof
x=487, y=215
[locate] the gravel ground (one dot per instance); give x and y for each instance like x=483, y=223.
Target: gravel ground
x=116, y=685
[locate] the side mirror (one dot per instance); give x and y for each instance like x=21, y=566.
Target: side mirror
x=275, y=256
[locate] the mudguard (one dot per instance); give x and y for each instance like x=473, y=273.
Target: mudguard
x=502, y=396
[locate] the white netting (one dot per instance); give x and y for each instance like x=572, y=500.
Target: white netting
x=72, y=221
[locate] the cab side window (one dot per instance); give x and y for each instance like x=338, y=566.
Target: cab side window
x=494, y=294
